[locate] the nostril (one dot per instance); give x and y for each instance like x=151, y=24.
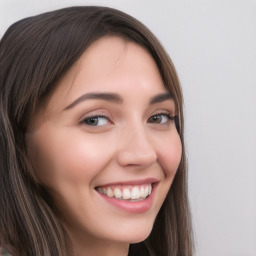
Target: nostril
x=135, y=158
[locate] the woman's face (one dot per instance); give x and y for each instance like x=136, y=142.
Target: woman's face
x=104, y=140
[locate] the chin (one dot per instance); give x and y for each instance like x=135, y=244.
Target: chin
x=136, y=235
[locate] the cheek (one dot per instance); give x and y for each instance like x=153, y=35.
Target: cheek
x=169, y=155
x=68, y=156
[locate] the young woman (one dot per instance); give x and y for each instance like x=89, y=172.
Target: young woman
x=92, y=152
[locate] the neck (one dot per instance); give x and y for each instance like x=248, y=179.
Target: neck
x=94, y=247
x=106, y=249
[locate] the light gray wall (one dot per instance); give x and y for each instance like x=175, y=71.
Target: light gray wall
x=213, y=45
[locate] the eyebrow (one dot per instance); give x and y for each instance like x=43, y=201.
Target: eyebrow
x=160, y=98
x=116, y=98
x=112, y=97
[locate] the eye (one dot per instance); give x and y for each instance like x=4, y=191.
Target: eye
x=96, y=120
x=162, y=118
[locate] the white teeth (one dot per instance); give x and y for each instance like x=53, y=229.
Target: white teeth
x=101, y=190
x=146, y=190
x=138, y=192
x=135, y=193
x=110, y=192
x=117, y=193
x=126, y=194
x=142, y=192
x=149, y=190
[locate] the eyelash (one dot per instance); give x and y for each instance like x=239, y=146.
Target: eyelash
x=97, y=117
x=168, y=116
x=90, y=118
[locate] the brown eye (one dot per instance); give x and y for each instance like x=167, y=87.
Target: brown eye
x=160, y=118
x=96, y=120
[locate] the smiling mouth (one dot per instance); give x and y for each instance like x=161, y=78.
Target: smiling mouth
x=127, y=192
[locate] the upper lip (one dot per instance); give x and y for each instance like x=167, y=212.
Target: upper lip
x=131, y=182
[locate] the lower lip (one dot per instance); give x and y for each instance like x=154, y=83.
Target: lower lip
x=132, y=206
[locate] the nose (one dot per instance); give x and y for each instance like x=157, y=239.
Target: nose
x=135, y=148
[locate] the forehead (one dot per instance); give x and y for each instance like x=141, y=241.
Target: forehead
x=112, y=57
x=110, y=64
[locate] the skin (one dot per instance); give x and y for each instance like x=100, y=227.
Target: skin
x=72, y=157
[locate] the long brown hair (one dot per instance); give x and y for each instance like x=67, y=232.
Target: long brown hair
x=35, y=53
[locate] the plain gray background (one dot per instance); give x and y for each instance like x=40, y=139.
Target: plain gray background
x=213, y=46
